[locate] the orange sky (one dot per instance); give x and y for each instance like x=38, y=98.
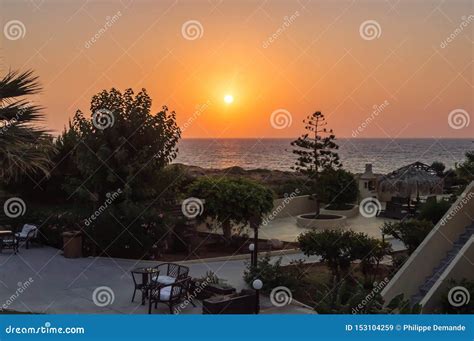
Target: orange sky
x=318, y=61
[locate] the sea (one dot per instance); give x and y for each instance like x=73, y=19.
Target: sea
x=385, y=155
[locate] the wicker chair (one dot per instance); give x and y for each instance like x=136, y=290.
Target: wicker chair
x=170, y=295
x=170, y=273
x=28, y=234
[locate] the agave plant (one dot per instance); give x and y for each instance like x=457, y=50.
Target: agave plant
x=24, y=146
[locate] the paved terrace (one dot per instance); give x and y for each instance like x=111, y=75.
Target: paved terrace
x=285, y=229
x=65, y=286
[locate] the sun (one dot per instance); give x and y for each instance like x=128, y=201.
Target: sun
x=228, y=99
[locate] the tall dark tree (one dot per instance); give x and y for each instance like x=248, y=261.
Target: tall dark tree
x=24, y=146
x=114, y=162
x=316, y=151
x=122, y=145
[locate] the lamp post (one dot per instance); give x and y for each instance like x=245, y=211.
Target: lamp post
x=257, y=285
x=254, y=224
x=251, y=249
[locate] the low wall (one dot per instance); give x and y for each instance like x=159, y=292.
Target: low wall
x=292, y=207
x=348, y=213
x=321, y=224
x=433, y=248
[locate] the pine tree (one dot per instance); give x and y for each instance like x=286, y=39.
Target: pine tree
x=316, y=151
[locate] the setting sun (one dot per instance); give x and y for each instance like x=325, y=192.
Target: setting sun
x=228, y=99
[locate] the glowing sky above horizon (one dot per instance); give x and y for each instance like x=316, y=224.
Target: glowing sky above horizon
x=279, y=60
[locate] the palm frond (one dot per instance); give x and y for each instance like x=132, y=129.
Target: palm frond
x=15, y=84
x=20, y=111
x=25, y=147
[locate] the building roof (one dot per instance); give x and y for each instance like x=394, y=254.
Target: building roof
x=412, y=178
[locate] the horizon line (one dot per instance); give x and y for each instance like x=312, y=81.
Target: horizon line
x=344, y=137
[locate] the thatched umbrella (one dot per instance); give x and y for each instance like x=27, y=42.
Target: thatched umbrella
x=414, y=179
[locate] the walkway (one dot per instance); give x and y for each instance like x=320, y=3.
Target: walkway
x=65, y=286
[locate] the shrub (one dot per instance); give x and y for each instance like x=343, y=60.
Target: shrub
x=339, y=248
x=344, y=298
x=333, y=246
x=410, y=232
x=273, y=274
x=231, y=201
x=433, y=211
x=337, y=188
x=465, y=169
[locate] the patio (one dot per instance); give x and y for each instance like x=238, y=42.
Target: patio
x=65, y=286
x=285, y=229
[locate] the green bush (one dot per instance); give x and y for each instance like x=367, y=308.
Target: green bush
x=273, y=274
x=433, y=211
x=231, y=201
x=344, y=298
x=123, y=229
x=410, y=232
x=337, y=188
x=339, y=248
x=465, y=169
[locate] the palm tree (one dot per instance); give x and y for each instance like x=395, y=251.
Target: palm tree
x=24, y=147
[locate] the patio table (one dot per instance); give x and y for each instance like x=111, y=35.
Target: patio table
x=146, y=274
x=8, y=240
